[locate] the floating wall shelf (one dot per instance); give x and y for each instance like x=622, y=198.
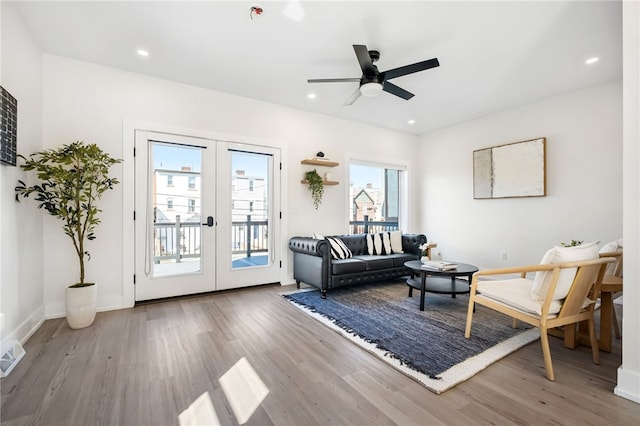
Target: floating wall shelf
x=322, y=163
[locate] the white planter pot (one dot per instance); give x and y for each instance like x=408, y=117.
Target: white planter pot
x=80, y=305
x=424, y=259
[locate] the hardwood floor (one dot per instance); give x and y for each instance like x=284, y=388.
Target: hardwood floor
x=149, y=364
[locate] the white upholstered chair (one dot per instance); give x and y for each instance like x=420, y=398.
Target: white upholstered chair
x=561, y=294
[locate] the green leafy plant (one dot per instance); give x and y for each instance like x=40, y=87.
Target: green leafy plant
x=71, y=179
x=573, y=243
x=316, y=186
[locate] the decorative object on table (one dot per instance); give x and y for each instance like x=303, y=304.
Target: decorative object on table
x=573, y=243
x=316, y=186
x=381, y=319
x=439, y=265
x=72, y=179
x=511, y=170
x=8, y=128
x=425, y=250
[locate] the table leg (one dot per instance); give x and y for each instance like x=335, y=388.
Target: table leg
x=453, y=287
x=423, y=288
x=606, y=317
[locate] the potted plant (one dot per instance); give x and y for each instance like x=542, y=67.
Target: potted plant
x=316, y=186
x=70, y=181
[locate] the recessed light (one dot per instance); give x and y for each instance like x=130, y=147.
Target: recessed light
x=143, y=52
x=592, y=60
x=411, y=121
x=311, y=96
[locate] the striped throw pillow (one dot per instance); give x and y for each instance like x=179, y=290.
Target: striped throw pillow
x=379, y=243
x=338, y=248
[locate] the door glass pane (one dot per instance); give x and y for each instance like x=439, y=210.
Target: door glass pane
x=250, y=209
x=375, y=198
x=175, y=190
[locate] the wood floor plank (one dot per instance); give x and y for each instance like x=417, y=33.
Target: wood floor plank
x=149, y=364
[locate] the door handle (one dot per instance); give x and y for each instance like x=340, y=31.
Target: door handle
x=209, y=221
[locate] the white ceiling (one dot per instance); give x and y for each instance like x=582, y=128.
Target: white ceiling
x=493, y=55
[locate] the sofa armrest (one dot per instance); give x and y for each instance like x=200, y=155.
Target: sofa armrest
x=311, y=262
x=310, y=246
x=411, y=243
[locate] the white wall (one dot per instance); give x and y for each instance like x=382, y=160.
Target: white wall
x=629, y=373
x=21, y=288
x=93, y=103
x=583, y=170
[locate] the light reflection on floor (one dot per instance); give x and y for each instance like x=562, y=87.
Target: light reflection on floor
x=200, y=412
x=243, y=389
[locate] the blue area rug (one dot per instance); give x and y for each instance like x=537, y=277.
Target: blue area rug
x=428, y=345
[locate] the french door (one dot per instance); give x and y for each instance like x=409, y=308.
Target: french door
x=206, y=215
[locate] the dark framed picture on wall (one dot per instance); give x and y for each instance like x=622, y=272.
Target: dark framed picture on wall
x=8, y=127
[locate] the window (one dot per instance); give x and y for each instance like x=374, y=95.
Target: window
x=376, y=201
x=169, y=203
x=192, y=182
x=251, y=185
x=192, y=205
x=251, y=206
x=169, y=180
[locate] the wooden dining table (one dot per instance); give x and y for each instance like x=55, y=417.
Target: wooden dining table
x=580, y=336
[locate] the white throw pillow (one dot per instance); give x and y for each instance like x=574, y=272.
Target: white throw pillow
x=612, y=247
x=318, y=236
x=339, y=250
x=561, y=255
x=396, y=241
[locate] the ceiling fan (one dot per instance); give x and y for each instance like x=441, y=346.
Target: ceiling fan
x=373, y=81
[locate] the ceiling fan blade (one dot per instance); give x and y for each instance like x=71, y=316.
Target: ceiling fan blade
x=364, y=59
x=410, y=69
x=333, y=80
x=354, y=96
x=398, y=91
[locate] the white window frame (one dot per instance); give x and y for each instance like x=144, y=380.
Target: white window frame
x=403, y=166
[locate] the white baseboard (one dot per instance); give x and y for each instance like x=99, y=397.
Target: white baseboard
x=628, y=385
x=26, y=329
x=107, y=303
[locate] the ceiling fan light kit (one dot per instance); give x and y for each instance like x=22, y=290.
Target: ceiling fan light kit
x=371, y=90
x=372, y=81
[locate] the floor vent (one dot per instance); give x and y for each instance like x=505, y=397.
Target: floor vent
x=10, y=357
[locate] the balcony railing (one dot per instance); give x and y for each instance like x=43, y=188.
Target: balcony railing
x=180, y=240
x=367, y=226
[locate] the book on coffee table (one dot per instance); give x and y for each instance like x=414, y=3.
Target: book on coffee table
x=439, y=265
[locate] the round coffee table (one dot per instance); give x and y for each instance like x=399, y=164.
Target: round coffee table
x=439, y=281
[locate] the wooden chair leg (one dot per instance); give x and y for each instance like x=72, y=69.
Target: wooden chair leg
x=546, y=353
x=470, y=309
x=594, y=341
x=514, y=323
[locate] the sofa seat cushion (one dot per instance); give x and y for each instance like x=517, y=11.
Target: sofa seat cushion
x=347, y=266
x=400, y=258
x=375, y=262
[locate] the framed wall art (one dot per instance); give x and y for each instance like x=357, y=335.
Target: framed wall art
x=8, y=127
x=511, y=170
